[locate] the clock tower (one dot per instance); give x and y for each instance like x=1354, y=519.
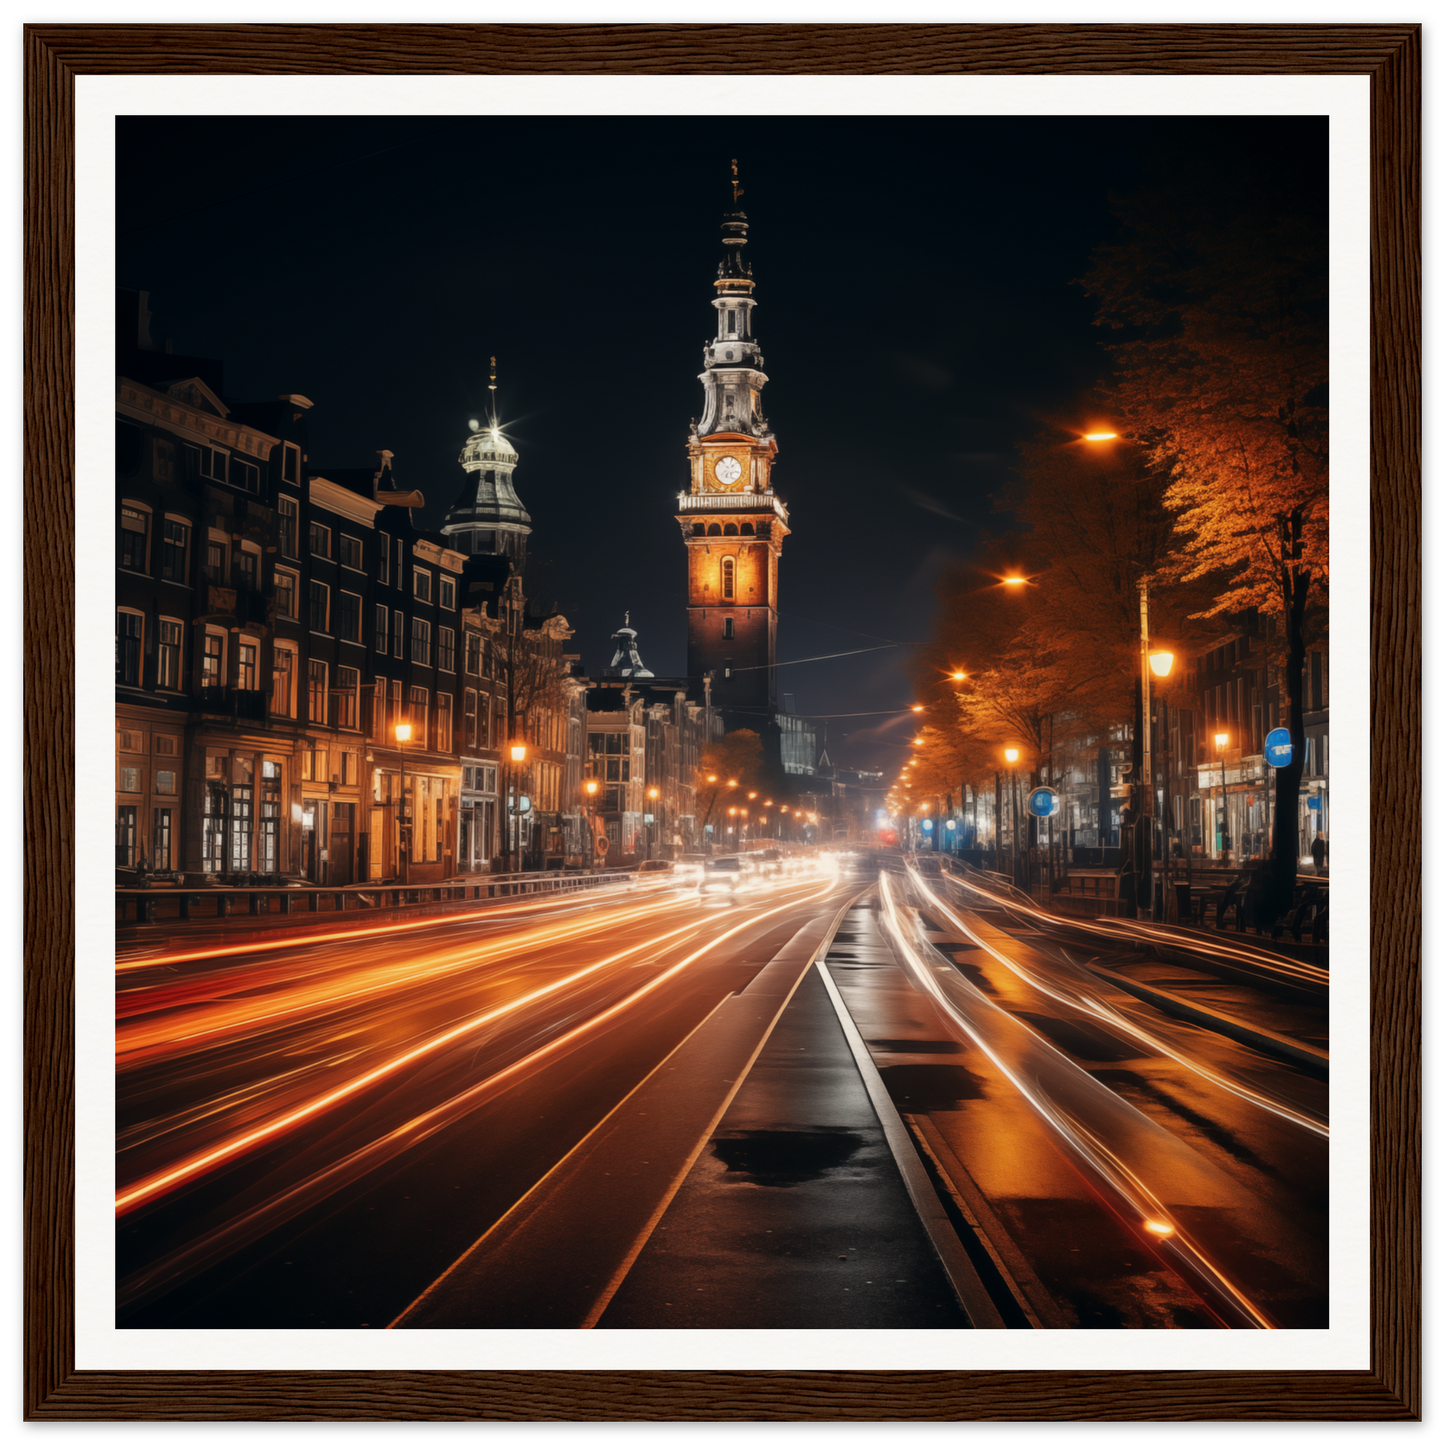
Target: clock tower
x=732, y=521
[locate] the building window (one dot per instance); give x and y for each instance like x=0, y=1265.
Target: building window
x=291, y=464
x=444, y=722
x=474, y=654
x=447, y=592
x=161, y=839
x=128, y=626
x=129, y=742
x=320, y=539
x=348, y=623
x=213, y=661
x=129, y=448
x=215, y=570
x=207, y=462
x=383, y=558
x=421, y=584
x=727, y=628
x=285, y=585
x=729, y=568
x=244, y=475
x=348, y=692
x=241, y=829
x=286, y=517
x=398, y=624
x=316, y=691
x=378, y=711
x=246, y=666
x=175, y=543
x=168, y=655
x=421, y=641
x=165, y=780
x=248, y=565
x=125, y=837
x=320, y=595
x=166, y=747
x=446, y=649
x=268, y=841
x=134, y=526
x=469, y=718
x=129, y=780
x=350, y=551
x=417, y=716
x=380, y=629
x=283, y=668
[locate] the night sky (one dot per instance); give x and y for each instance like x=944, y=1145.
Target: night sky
x=916, y=308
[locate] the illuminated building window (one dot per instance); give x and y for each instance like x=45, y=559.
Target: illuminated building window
x=168, y=654
x=316, y=691
x=283, y=671
x=729, y=568
x=348, y=690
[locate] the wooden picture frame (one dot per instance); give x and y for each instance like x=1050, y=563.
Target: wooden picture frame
x=1390, y=1390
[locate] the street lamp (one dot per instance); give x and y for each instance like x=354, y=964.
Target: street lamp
x=653, y=794
x=590, y=788
x=1221, y=741
x=403, y=736
x=517, y=751
x=1161, y=664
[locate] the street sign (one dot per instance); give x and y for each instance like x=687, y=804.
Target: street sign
x=1278, y=749
x=647, y=817
x=1314, y=804
x=1043, y=803
x=928, y=824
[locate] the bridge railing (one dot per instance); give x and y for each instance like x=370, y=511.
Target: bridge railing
x=138, y=905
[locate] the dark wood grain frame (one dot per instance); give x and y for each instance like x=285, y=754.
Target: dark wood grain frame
x=1389, y=1390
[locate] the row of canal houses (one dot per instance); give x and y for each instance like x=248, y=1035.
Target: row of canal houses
x=311, y=686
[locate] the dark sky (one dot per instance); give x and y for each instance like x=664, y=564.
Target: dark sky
x=916, y=312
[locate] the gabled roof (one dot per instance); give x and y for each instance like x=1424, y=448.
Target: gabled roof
x=194, y=392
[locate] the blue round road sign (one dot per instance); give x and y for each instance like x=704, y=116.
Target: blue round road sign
x=1043, y=802
x=928, y=825
x=1278, y=749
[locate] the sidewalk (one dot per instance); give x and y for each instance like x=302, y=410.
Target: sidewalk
x=795, y=1215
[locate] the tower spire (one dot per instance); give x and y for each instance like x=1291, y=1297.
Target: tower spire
x=737, y=189
x=492, y=387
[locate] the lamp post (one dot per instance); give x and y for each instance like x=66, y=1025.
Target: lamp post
x=1161, y=664
x=517, y=753
x=1011, y=757
x=1221, y=741
x=590, y=788
x=403, y=827
x=653, y=794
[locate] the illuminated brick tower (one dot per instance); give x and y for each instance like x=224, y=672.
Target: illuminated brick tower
x=731, y=520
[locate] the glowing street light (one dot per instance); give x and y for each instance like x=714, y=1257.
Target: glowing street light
x=403, y=828
x=1101, y=436
x=1011, y=754
x=519, y=752
x=1161, y=663
x=1014, y=581
x=1221, y=741
x=959, y=675
x=917, y=707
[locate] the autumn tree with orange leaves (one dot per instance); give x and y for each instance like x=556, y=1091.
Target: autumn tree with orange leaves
x=1218, y=308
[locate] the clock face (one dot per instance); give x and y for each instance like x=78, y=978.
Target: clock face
x=727, y=470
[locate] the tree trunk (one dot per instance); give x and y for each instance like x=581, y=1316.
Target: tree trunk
x=1284, y=849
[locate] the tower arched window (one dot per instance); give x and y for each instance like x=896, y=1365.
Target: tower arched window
x=732, y=323
x=714, y=530
x=747, y=529
x=731, y=530
x=729, y=571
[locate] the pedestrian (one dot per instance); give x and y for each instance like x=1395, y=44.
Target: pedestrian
x=1317, y=852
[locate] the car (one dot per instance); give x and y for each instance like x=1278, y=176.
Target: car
x=654, y=865
x=721, y=877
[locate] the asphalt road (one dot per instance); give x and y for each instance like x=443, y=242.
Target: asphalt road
x=570, y=1112
x=310, y=1136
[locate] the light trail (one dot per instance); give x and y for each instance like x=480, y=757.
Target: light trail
x=1085, y=1001
x=379, y=930
x=1084, y=1114
x=1160, y=934
x=167, y=1179
x=338, y=981
x=270, y=1213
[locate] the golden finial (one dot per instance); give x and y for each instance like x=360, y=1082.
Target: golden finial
x=737, y=189
x=493, y=385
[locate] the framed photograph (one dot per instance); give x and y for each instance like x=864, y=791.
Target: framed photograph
x=549, y=968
